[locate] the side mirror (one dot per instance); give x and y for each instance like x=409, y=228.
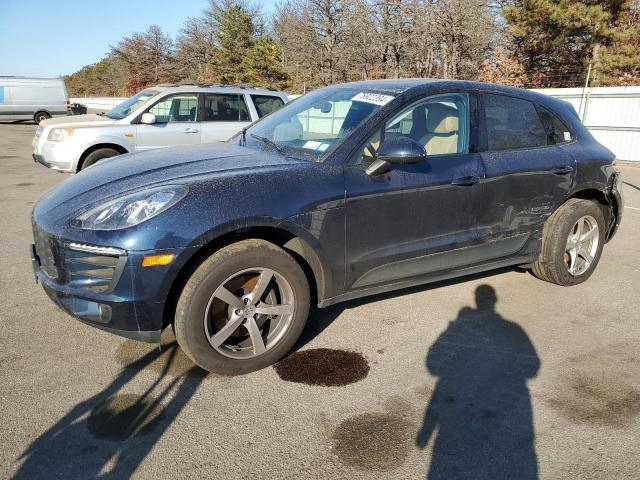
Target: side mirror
x=148, y=118
x=396, y=151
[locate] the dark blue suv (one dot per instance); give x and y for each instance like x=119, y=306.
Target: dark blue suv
x=351, y=190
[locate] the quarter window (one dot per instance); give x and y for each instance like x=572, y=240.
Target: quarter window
x=265, y=104
x=439, y=123
x=176, y=108
x=512, y=123
x=224, y=107
x=557, y=131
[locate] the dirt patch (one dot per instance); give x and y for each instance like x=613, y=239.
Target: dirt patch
x=168, y=358
x=124, y=416
x=5, y=157
x=24, y=184
x=601, y=388
x=324, y=367
x=373, y=441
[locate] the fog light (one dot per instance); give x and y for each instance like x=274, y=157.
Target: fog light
x=158, y=260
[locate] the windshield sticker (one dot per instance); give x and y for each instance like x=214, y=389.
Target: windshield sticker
x=567, y=136
x=312, y=145
x=375, y=98
x=323, y=147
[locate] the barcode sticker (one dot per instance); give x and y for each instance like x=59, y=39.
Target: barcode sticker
x=375, y=98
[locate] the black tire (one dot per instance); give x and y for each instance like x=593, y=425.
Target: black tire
x=40, y=116
x=550, y=264
x=98, y=155
x=190, y=311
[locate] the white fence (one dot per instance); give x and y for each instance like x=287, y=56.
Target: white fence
x=612, y=114
x=99, y=103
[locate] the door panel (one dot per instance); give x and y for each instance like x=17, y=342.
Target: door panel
x=525, y=182
x=397, y=222
x=223, y=116
x=175, y=125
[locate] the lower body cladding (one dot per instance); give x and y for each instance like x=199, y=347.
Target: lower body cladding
x=104, y=287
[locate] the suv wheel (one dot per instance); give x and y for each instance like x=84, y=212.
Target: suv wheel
x=243, y=308
x=98, y=155
x=572, y=242
x=40, y=116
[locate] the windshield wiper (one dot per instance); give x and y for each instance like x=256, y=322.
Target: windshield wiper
x=268, y=142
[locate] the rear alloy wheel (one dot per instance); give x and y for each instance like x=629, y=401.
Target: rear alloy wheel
x=243, y=308
x=41, y=116
x=572, y=241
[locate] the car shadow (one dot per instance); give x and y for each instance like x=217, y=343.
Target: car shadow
x=111, y=433
x=479, y=417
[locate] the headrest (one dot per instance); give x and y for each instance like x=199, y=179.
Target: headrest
x=442, y=119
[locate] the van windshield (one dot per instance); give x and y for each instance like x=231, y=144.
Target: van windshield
x=131, y=104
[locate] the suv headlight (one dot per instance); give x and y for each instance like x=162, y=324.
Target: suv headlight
x=131, y=209
x=59, y=134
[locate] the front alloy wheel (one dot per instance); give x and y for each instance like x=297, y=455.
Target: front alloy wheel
x=243, y=308
x=249, y=313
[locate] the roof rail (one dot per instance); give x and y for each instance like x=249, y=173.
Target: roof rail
x=215, y=85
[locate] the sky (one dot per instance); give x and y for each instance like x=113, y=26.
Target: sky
x=48, y=38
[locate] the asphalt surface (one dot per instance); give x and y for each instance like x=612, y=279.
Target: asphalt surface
x=545, y=384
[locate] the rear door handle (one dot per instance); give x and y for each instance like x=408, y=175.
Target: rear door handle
x=191, y=130
x=562, y=170
x=466, y=181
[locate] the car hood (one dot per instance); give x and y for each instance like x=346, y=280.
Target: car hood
x=77, y=121
x=130, y=172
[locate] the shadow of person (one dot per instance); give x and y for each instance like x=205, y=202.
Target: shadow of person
x=111, y=433
x=480, y=410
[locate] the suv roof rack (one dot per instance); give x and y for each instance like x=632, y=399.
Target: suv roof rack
x=216, y=85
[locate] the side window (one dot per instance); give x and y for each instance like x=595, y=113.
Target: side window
x=512, y=123
x=440, y=123
x=265, y=104
x=557, y=131
x=225, y=107
x=176, y=108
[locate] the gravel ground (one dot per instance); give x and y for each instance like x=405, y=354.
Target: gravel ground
x=493, y=376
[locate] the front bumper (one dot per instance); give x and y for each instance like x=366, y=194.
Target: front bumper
x=110, y=292
x=60, y=156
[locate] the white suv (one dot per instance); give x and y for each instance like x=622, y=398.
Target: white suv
x=162, y=116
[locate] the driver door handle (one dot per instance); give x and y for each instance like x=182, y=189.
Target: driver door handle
x=465, y=181
x=191, y=130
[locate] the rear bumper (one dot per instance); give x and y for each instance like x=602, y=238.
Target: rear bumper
x=615, y=194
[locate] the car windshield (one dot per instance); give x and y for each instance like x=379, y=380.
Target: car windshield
x=125, y=108
x=313, y=125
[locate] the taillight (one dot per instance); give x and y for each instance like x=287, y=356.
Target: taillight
x=68, y=106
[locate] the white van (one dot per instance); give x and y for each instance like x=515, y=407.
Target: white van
x=36, y=99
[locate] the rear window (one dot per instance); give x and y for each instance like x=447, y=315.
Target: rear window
x=225, y=107
x=557, y=131
x=512, y=123
x=265, y=104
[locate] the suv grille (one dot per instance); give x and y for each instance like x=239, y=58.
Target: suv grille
x=91, y=268
x=93, y=272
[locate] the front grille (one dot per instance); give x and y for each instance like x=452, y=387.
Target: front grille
x=90, y=271
x=46, y=248
x=88, y=267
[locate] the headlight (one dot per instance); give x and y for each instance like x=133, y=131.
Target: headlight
x=131, y=209
x=59, y=134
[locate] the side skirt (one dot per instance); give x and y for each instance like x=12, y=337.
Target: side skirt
x=424, y=279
